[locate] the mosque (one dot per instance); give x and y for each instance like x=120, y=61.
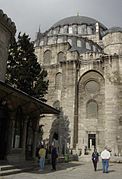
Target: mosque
x=83, y=59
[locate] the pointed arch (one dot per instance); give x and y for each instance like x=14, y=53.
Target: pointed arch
x=60, y=57
x=47, y=57
x=91, y=109
x=91, y=74
x=58, y=81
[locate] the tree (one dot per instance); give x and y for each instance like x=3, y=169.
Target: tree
x=23, y=70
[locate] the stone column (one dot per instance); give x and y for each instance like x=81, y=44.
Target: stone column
x=111, y=105
x=10, y=137
x=35, y=135
x=24, y=136
x=34, y=144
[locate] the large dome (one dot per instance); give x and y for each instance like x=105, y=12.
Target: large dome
x=80, y=32
x=77, y=20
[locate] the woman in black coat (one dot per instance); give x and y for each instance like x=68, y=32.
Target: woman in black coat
x=95, y=159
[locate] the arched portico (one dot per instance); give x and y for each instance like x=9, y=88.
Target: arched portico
x=91, y=110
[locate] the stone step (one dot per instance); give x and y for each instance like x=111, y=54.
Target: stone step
x=7, y=167
x=10, y=172
x=14, y=169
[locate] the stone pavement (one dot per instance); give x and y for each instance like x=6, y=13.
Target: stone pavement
x=72, y=170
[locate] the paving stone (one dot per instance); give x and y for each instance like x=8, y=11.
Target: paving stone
x=77, y=170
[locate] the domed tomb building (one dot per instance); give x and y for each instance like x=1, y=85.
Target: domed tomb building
x=83, y=59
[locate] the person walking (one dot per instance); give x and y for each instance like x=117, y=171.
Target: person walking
x=54, y=157
x=105, y=155
x=42, y=154
x=95, y=159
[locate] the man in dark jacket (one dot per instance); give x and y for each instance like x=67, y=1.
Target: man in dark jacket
x=54, y=157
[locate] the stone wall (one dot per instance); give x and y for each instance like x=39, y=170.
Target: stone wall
x=7, y=31
x=113, y=43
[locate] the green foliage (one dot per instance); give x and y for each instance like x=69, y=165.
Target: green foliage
x=23, y=70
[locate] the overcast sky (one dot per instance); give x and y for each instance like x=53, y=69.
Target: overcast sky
x=28, y=15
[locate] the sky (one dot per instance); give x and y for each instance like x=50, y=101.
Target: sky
x=28, y=15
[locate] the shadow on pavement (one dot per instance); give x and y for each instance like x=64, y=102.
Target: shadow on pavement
x=60, y=166
x=100, y=169
x=108, y=171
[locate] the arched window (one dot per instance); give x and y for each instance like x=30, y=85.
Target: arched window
x=79, y=29
x=61, y=30
x=70, y=41
x=60, y=57
x=89, y=30
x=65, y=28
x=83, y=29
x=47, y=57
x=70, y=30
x=59, y=40
x=58, y=81
x=92, y=86
x=78, y=43
x=91, y=109
x=88, y=46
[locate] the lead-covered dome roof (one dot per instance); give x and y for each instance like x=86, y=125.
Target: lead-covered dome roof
x=77, y=20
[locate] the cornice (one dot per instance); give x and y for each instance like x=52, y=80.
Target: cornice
x=7, y=23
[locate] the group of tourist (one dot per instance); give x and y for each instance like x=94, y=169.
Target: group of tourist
x=42, y=155
x=105, y=155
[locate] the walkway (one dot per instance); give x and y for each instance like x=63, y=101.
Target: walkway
x=72, y=170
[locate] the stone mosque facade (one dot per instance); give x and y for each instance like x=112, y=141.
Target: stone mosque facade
x=83, y=59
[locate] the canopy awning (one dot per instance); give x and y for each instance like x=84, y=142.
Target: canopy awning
x=30, y=104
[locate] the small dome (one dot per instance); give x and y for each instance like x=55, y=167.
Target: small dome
x=77, y=20
x=113, y=29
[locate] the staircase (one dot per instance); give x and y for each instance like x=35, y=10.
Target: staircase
x=8, y=169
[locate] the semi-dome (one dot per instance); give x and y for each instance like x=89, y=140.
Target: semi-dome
x=77, y=20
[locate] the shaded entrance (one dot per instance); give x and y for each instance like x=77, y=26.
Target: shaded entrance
x=55, y=136
x=3, y=129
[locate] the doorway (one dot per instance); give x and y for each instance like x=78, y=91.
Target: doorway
x=91, y=140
